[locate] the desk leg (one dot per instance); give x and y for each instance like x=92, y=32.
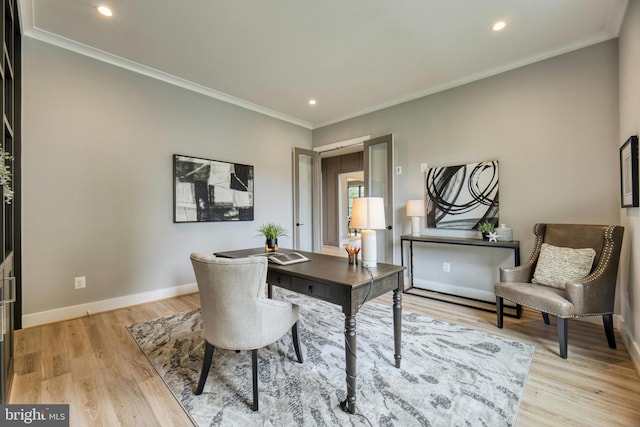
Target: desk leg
x=349, y=405
x=397, y=326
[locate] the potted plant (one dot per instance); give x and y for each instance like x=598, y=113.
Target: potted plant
x=271, y=232
x=485, y=228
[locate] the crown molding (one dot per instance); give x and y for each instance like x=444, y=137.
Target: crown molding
x=560, y=50
x=29, y=30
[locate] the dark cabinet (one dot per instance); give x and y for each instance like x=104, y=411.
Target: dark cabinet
x=10, y=311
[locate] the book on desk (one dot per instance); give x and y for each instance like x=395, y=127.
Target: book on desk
x=284, y=258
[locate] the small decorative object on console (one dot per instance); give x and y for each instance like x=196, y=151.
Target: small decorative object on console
x=485, y=228
x=504, y=233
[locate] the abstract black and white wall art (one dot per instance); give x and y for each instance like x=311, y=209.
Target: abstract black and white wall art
x=211, y=190
x=461, y=197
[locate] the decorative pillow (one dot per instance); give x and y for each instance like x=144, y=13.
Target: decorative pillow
x=557, y=266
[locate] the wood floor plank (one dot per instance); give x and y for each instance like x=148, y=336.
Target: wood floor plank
x=76, y=338
x=93, y=403
x=28, y=341
x=130, y=404
x=165, y=407
x=26, y=388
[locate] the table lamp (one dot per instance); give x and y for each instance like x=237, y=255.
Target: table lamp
x=415, y=209
x=367, y=215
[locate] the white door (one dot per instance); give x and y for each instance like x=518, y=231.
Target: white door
x=306, y=200
x=378, y=181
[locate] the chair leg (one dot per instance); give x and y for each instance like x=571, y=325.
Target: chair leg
x=296, y=341
x=254, y=369
x=607, y=319
x=563, y=327
x=206, y=364
x=545, y=317
x=499, y=310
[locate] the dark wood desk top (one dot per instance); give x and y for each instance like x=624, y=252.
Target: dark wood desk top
x=328, y=268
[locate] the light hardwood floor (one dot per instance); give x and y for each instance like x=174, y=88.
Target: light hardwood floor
x=93, y=364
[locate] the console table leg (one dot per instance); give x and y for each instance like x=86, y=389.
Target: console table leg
x=397, y=326
x=411, y=264
x=349, y=405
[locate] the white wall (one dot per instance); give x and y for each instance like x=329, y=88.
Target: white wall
x=97, y=180
x=629, y=289
x=553, y=127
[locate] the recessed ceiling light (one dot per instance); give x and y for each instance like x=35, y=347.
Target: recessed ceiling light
x=312, y=102
x=499, y=26
x=104, y=10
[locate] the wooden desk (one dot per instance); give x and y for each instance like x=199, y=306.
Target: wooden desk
x=332, y=279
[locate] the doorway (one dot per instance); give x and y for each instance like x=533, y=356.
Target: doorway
x=331, y=169
x=337, y=172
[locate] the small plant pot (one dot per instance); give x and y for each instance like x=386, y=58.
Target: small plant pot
x=271, y=245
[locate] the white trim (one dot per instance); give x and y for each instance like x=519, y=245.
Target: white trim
x=632, y=346
x=342, y=144
x=616, y=16
x=598, y=38
x=75, y=311
x=64, y=43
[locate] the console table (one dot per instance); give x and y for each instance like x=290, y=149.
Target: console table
x=464, y=241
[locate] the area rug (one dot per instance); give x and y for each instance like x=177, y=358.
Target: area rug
x=450, y=375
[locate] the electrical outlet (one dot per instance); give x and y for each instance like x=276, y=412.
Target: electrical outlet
x=446, y=267
x=80, y=282
x=423, y=167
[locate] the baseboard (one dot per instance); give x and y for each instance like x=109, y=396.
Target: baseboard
x=74, y=311
x=632, y=346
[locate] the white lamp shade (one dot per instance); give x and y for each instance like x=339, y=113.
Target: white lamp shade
x=367, y=213
x=415, y=208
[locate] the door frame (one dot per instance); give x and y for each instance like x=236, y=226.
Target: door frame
x=366, y=142
x=388, y=194
x=316, y=204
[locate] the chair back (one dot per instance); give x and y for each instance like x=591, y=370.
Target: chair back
x=606, y=240
x=229, y=293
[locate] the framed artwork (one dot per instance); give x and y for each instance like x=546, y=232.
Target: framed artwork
x=629, y=173
x=461, y=197
x=211, y=190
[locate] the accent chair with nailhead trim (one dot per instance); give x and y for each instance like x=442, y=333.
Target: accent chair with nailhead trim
x=559, y=284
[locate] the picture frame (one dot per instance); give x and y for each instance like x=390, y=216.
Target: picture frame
x=206, y=190
x=462, y=196
x=629, y=173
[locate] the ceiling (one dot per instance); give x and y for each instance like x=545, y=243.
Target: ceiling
x=353, y=57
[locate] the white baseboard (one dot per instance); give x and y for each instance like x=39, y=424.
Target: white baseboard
x=74, y=311
x=629, y=342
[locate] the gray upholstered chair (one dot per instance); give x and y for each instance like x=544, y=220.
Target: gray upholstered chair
x=236, y=315
x=567, y=283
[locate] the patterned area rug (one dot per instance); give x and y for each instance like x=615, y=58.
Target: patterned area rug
x=450, y=375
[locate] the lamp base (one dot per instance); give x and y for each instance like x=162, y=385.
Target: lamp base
x=369, y=248
x=415, y=225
